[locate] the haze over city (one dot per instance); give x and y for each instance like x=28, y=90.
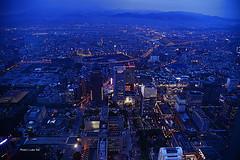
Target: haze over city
x=222, y=8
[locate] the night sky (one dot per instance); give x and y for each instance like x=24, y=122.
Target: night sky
x=223, y=8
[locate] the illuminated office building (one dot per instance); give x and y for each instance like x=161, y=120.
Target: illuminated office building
x=119, y=84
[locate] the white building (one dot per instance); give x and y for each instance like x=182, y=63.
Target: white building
x=149, y=92
x=175, y=153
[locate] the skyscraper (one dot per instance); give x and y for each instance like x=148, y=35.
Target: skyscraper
x=96, y=84
x=211, y=91
x=119, y=84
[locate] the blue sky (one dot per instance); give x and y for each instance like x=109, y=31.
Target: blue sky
x=223, y=8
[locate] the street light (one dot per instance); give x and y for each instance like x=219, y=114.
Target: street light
x=75, y=145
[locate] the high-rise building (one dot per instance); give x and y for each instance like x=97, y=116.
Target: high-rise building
x=175, y=153
x=200, y=119
x=129, y=80
x=129, y=74
x=82, y=86
x=194, y=98
x=73, y=93
x=211, y=91
x=180, y=103
x=119, y=84
x=123, y=80
x=96, y=84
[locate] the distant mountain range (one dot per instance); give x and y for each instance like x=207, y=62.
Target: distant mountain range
x=180, y=19
x=170, y=16
x=183, y=19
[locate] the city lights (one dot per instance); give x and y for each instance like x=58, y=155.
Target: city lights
x=119, y=80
